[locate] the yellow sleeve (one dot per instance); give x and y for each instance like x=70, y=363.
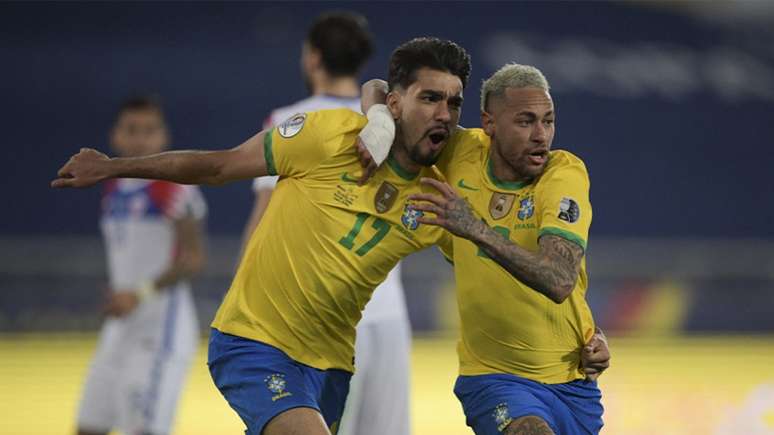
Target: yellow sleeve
x=563, y=204
x=301, y=143
x=446, y=246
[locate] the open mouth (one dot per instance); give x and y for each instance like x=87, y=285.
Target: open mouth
x=437, y=136
x=538, y=157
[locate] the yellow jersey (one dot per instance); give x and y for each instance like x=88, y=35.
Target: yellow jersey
x=324, y=242
x=507, y=327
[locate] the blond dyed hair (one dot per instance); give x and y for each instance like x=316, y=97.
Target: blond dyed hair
x=512, y=75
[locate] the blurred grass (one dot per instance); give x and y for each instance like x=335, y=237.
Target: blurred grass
x=666, y=386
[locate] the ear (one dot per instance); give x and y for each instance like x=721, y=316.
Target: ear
x=488, y=123
x=394, y=103
x=310, y=57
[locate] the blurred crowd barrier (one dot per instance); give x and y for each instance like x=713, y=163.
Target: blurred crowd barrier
x=637, y=287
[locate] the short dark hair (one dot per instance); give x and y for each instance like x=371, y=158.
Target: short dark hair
x=139, y=103
x=433, y=53
x=344, y=42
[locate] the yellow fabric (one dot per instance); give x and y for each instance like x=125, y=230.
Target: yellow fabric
x=506, y=326
x=323, y=244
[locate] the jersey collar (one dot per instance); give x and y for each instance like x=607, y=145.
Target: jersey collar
x=500, y=184
x=400, y=170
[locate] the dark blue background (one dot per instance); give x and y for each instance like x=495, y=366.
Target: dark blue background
x=698, y=166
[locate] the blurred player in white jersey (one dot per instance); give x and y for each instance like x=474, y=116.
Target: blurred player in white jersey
x=154, y=242
x=335, y=49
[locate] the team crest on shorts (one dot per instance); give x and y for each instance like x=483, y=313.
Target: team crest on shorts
x=500, y=204
x=385, y=197
x=410, y=216
x=276, y=384
x=569, y=210
x=526, y=208
x=291, y=126
x=502, y=416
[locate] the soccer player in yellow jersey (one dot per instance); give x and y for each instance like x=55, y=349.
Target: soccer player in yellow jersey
x=281, y=347
x=336, y=48
x=520, y=215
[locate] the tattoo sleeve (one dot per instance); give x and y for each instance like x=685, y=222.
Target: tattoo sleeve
x=552, y=271
x=462, y=220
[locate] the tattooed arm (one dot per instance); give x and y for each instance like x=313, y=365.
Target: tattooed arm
x=552, y=271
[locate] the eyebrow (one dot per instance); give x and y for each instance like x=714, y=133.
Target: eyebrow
x=533, y=115
x=440, y=94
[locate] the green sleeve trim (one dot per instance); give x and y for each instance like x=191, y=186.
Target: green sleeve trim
x=268, y=155
x=563, y=234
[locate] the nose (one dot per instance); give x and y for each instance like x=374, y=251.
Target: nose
x=442, y=112
x=539, y=133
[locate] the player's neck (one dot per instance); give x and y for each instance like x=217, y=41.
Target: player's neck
x=399, y=154
x=347, y=87
x=502, y=170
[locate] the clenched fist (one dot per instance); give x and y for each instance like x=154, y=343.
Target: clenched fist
x=84, y=169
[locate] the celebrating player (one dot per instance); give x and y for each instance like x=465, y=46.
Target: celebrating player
x=152, y=232
x=521, y=283
x=335, y=49
x=282, y=346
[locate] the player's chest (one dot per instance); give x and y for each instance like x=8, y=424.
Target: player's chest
x=380, y=209
x=512, y=213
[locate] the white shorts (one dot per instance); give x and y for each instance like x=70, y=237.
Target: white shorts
x=140, y=367
x=378, y=401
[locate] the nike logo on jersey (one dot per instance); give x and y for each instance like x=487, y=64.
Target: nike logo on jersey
x=462, y=185
x=347, y=179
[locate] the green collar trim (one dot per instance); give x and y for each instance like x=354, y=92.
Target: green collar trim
x=398, y=169
x=507, y=185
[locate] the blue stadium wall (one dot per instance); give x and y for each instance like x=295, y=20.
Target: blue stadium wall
x=672, y=116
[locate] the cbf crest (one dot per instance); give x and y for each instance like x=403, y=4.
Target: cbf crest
x=410, y=216
x=276, y=384
x=500, y=204
x=385, y=197
x=526, y=208
x=502, y=416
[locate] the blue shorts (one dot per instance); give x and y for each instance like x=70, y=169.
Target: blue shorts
x=491, y=402
x=260, y=381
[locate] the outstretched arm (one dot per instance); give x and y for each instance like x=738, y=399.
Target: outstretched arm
x=552, y=271
x=89, y=166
